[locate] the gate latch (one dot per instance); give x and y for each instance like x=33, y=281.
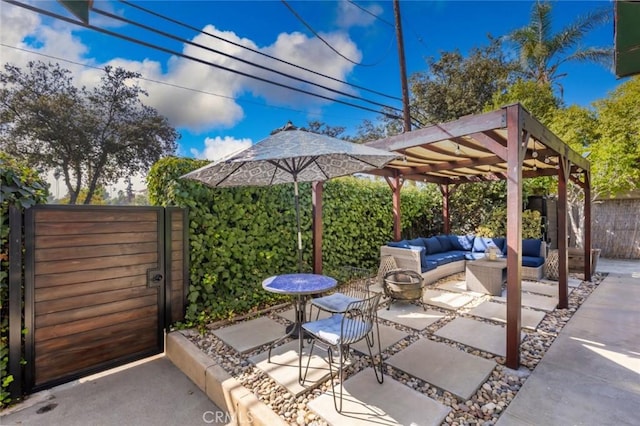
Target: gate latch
x=154, y=278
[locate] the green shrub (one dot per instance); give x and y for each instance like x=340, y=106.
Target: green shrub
x=496, y=224
x=240, y=236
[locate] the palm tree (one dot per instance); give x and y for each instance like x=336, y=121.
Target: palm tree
x=542, y=52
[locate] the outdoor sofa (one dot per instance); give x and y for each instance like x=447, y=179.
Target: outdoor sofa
x=443, y=255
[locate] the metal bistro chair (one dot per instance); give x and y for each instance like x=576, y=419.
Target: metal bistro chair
x=340, y=331
x=336, y=303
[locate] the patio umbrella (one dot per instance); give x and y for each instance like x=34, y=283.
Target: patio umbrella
x=291, y=156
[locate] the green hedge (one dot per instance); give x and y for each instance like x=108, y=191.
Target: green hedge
x=239, y=236
x=23, y=187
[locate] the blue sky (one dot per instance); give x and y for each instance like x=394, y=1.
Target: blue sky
x=225, y=111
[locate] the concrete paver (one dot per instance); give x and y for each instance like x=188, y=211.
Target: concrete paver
x=459, y=286
x=410, y=315
x=535, y=301
x=476, y=334
x=389, y=336
x=498, y=312
x=248, y=335
x=366, y=402
x=445, y=299
x=546, y=289
x=444, y=366
x=283, y=367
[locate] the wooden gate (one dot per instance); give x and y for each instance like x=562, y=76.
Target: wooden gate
x=101, y=285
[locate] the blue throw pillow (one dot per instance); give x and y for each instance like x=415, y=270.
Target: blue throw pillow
x=445, y=243
x=479, y=245
x=456, y=242
x=399, y=244
x=416, y=242
x=500, y=243
x=433, y=245
x=531, y=247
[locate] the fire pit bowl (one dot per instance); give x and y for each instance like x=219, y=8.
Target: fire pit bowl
x=403, y=284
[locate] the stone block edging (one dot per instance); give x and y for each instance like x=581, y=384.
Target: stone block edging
x=221, y=388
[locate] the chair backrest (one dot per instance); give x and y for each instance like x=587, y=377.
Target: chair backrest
x=359, y=319
x=357, y=282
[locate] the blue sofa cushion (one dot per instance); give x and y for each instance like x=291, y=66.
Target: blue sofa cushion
x=462, y=242
x=531, y=247
x=426, y=264
x=473, y=256
x=445, y=242
x=455, y=242
x=480, y=244
x=501, y=243
x=399, y=244
x=532, y=261
x=416, y=242
x=444, y=258
x=433, y=245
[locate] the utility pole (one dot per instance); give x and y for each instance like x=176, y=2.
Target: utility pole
x=403, y=67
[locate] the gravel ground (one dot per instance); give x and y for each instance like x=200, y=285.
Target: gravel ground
x=483, y=408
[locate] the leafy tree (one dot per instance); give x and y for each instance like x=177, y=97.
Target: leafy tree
x=93, y=136
x=610, y=136
x=325, y=129
x=537, y=98
x=542, y=52
x=455, y=86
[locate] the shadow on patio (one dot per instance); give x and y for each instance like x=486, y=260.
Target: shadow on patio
x=442, y=364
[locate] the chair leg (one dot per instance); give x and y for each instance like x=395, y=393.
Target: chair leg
x=380, y=376
x=337, y=406
x=303, y=378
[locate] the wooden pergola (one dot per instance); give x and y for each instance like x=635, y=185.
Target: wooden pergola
x=508, y=144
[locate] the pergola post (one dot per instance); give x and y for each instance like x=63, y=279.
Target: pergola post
x=587, y=226
x=564, y=171
x=396, y=185
x=316, y=207
x=444, y=189
x=515, y=156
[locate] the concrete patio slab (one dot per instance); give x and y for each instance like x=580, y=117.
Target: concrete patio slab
x=249, y=335
x=498, y=312
x=366, y=402
x=535, y=301
x=283, y=367
x=545, y=289
x=445, y=299
x=571, y=282
x=444, y=366
x=458, y=286
x=410, y=315
x=480, y=335
x=389, y=336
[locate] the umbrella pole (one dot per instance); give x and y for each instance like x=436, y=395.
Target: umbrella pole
x=297, y=200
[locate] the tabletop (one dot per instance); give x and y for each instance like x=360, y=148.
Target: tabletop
x=299, y=284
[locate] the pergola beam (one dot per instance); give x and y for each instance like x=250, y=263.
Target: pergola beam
x=436, y=133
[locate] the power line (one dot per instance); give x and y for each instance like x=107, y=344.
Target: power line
x=164, y=83
x=315, y=33
x=172, y=52
x=191, y=27
x=244, y=61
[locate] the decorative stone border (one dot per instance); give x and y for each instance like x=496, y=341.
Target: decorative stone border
x=221, y=388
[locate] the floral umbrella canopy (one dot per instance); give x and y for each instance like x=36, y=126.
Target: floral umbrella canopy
x=292, y=156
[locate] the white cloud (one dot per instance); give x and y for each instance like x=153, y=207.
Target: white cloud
x=218, y=148
x=194, y=110
x=350, y=15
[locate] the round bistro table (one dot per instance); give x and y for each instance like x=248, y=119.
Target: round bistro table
x=300, y=286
